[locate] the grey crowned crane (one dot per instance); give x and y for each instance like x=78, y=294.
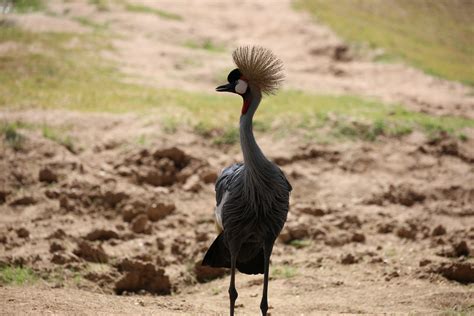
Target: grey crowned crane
x=252, y=197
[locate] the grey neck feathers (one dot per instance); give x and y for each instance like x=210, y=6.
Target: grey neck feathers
x=254, y=159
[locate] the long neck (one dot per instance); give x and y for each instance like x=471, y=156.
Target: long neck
x=254, y=159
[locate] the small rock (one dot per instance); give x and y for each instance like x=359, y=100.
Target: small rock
x=424, y=262
x=205, y=273
x=101, y=234
x=23, y=201
x=22, y=232
x=348, y=259
x=192, y=184
x=90, y=253
x=140, y=224
x=158, y=211
x=47, y=175
x=439, y=230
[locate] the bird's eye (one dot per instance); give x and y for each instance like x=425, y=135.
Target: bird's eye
x=241, y=86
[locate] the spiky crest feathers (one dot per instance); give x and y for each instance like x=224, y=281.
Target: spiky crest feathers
x=259, y=67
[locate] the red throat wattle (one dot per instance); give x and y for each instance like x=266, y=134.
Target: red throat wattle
x=246, y=106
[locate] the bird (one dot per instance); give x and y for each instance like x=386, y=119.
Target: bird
x=252, y=197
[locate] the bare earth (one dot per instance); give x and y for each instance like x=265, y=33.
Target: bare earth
x=386, y=227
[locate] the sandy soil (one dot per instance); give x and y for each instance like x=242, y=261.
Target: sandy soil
x=386, y=226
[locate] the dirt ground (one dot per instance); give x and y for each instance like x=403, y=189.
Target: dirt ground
x=374, y=227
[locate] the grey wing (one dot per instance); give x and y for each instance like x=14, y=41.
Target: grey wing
x=225, y=180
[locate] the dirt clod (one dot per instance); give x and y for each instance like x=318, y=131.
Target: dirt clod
x=205, y=273
x=55, y=247
x=461, y=249
x=141, y=225
x=439, y=231
x=113, y=198
x=462, y=272
x=406, y=232
x=47, y=175
x=91, y=253
x=348, y=259
x=142, y=276
x=23, y=201
x=22, y=232
x=358, y=237
x=101, y=234
x=160, y=210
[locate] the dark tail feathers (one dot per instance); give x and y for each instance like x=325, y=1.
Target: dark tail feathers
x=218, y=256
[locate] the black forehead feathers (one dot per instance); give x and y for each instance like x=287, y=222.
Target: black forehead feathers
x=234, y=75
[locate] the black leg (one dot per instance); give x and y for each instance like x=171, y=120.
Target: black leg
x=267, y=252
x=234, y=252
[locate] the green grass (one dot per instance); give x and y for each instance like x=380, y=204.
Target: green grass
x=12, y=136
x=207, y=45
x=283, y=272
x=300, y=243
x=101, y=5
x=139, y=8
x=90, y=23
x=25, y=6
x=59, y=75
x=59, y=136
x=436, y=36
x=17, y=276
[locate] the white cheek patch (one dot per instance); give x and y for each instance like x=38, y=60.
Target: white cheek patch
x=241, y=87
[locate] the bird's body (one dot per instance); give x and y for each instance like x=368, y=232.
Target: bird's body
x=252, y=198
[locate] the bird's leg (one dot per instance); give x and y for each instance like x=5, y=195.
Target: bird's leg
x=267, y=252
x=234, y=252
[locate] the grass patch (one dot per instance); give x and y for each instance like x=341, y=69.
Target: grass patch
x=300, y=243
x=89, y=23
x=435, y=36
x=59, y=136
x=283, y=272
x=229, y=136
x=170, y=124
x=11, y=134
x=24, y=6
x=17, y=276
x=101, y=5
x=60, y=75
x=139, y=8
x=207, y=45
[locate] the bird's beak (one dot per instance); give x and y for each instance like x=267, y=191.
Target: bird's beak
x=225, y=87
